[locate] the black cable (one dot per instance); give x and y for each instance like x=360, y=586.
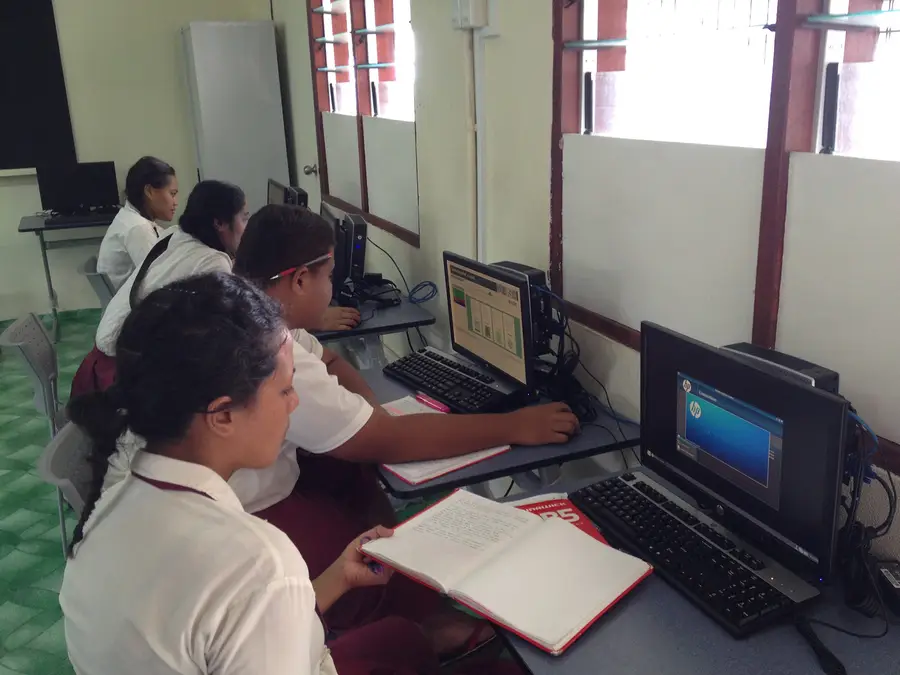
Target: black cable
x=881, y=606
x=399, y=271
x=509, y=489
x=409, y=294
x=891, y=492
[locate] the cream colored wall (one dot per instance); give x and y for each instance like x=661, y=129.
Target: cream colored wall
x=518, y=88
x=518, y=94
x=123, y=65
x=444, y=145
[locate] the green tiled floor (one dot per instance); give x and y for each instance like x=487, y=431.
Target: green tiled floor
x=32, y=640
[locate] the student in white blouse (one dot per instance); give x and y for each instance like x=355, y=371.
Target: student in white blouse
x=167, y=572
x=151, y=194
x=210, y=229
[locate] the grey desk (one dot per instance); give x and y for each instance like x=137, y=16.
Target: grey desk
x=383, y=321
x=593, y=440
x=37, y=225
x=363, y=343
x=655, y=630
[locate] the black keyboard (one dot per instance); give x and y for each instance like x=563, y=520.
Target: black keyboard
x=99, y=218
x=460, y=388
x=711, y=570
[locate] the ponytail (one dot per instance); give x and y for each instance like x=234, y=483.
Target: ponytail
x=101, y=417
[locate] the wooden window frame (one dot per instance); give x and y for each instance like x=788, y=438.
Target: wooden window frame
x=363, y=104
x=791, y=118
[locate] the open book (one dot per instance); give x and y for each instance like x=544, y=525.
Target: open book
x=545, y=580
x=420, y=472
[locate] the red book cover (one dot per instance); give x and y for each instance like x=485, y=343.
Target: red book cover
x=565, y=509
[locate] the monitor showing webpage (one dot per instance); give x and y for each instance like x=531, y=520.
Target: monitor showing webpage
x=486, y=315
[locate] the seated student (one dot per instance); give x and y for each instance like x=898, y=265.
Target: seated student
x=151, y=193
x=167, y=572
x=208, y=235
x=330, y=487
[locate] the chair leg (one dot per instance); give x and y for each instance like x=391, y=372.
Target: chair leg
x=61, y=507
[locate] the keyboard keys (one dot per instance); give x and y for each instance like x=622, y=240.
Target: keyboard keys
x=749, y=560
x=702, y=567
x=460, y=387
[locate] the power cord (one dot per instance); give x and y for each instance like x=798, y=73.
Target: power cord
x=561, y=384
x=412, y=295
x=861, y=588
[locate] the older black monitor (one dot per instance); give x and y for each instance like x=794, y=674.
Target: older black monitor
x=72, y=188
x=284, y=194
x=765, y=452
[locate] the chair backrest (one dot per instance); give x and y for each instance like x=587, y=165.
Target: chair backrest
x=27, y=337
x=64, y=463
x=101, y=283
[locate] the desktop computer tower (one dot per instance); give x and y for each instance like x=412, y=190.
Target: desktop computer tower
x=791, y=366
x=350, y=233
x=358, y=231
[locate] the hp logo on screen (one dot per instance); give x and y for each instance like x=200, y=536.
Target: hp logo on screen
x=695, y=410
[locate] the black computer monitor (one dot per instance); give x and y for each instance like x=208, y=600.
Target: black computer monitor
x=490, y=316
x=343, y=242
x=78, y=188
x=764, y=451
x=276, y=193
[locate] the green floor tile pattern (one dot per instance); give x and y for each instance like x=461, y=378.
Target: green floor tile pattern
x=32, y=640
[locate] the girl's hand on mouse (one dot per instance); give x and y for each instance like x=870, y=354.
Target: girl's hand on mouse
x=540, y=424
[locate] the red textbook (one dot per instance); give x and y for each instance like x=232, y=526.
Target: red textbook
x=544, y=579
x=566, y=510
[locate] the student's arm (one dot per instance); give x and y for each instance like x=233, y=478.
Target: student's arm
x=139, y=239
x=332, y=419
x=347, y=376
x=351, y=570
x=387, y=439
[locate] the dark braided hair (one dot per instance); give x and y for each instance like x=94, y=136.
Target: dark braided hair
x=278, y=237
x=182, y=347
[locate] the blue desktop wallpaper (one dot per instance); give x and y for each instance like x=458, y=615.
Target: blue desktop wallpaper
x=727, y=437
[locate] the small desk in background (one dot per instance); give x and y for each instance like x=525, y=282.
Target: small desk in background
x=39, y=227
x=656, y=630
x=375, y=323
x=593, y=440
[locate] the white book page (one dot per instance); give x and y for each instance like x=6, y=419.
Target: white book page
x=452, y=538
x=552, y=583
x=419, y=472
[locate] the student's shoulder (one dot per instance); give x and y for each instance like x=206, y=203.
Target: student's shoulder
x=268, y=550
x=306, y=346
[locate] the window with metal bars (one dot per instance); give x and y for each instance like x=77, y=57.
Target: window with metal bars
x=678, y=70
x=863, y=77
x=392, y=58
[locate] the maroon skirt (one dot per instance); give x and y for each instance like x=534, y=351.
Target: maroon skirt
x=97, y=372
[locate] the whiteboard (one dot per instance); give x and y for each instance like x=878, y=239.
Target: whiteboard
x=236, y=104
x=391, y=171
x=342, y=155
x=665, y=232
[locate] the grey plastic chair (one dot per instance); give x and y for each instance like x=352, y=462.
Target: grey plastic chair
x=64, y=463
x=101, y=283
x=28, y=338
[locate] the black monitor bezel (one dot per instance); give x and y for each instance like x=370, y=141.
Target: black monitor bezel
x=520, y=281
x=61, y=183
x=744, y=381
x=283, y=188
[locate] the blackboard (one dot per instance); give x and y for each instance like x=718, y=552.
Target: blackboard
x=35, y=127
